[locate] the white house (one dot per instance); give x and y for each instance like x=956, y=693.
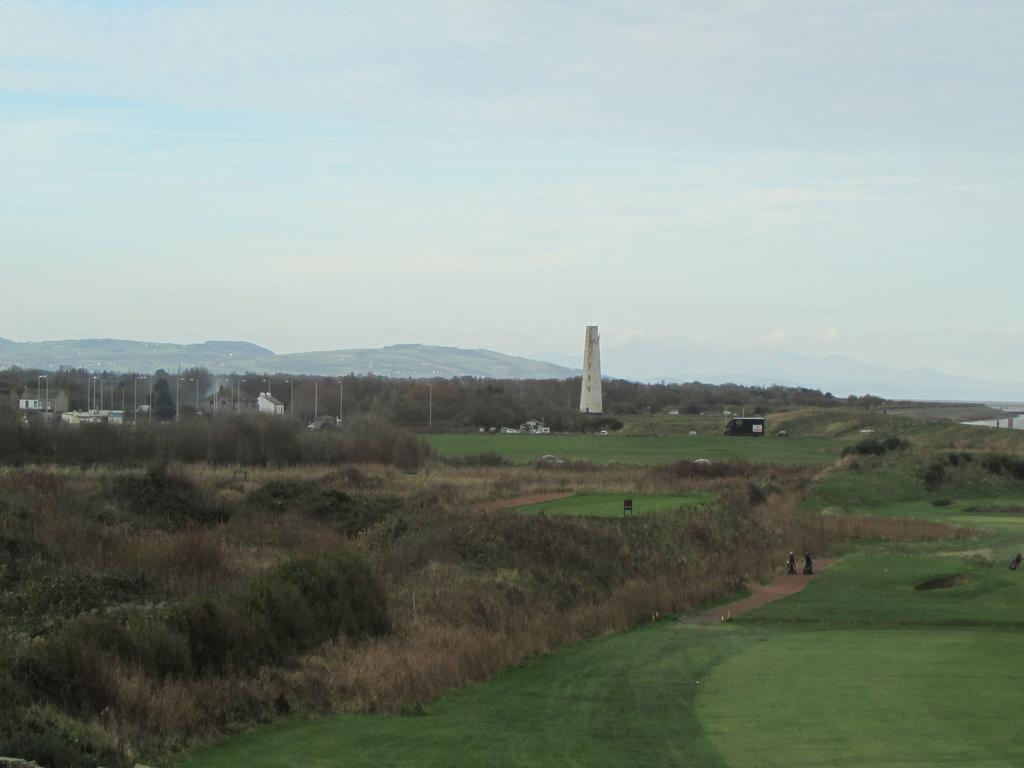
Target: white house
x=30, y=400
x=267, y=403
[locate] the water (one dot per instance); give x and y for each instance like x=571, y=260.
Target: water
x=1013, y=420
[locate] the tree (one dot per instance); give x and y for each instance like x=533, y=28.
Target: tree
x=163, y=403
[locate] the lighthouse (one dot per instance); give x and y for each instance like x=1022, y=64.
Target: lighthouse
x=590, y=395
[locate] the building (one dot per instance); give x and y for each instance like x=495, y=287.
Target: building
x=34, y=401
x=590, y=394
x=230, y=400
x=93, y=417
x=533, y=427
x=267, y=403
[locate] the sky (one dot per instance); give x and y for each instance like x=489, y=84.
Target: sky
x=826, y=177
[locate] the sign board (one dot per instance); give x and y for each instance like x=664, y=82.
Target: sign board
x=758, y=429
x=627, y=507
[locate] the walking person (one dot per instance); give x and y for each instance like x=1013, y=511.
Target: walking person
x=808, y=564
x=791, y=565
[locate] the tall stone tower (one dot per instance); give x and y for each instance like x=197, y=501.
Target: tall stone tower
x=590, y=396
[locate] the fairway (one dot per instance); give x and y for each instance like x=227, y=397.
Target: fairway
x=611, y=504
x=654, y=449
x=868, y=698
x=859, y=669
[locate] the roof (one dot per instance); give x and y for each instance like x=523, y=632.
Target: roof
x=270, y=399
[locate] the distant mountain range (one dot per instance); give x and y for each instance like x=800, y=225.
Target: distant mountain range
x=398, y=361
x=641, y=361
x=838, y=374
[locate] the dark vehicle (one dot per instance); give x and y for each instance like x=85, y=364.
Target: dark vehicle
x=746, y=425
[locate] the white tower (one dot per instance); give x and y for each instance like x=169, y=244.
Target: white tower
x=590, y=396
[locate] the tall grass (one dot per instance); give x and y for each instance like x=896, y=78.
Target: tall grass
x=237, y=440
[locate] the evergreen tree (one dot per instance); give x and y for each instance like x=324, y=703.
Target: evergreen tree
x=163, y=403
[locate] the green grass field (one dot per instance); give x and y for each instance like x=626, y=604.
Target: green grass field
x=610, y=504
x=654, y=449
x=860, y=669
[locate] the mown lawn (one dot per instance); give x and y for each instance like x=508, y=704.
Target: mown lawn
x=860, y=669
x=611, y=504
x=648, y=449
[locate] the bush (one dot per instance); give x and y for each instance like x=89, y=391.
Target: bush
x=350, y=513
x=289, y=609
x=49, y=738
x=873, y=447
x=74, y=668
x=934, y=474
x=486, y=459
x=171, y=498
x=999, y=464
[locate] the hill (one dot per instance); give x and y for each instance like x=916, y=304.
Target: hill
x=223, y=357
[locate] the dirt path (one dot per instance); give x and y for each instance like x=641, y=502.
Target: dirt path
x=522, y=501
x=760, y=594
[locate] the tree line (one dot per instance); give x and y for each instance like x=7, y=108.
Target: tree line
x=456, y=403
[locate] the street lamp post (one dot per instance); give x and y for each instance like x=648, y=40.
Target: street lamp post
x=430, y=405
x=291, y=395
x=92, y=400
x=341, y=402
x=316, y=399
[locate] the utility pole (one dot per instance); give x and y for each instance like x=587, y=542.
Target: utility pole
x=430, y=406
x=316, y=399
x=177, y=395
x=341, y=401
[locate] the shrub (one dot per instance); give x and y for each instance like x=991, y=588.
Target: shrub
x=50, y=738
x=348, y=512
x=865, y=448
x=934, y=474
x=169, y=498
x=999, y=464
x=74, y=668
x=487, y=459
x=871, y=447
x=292, y=607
